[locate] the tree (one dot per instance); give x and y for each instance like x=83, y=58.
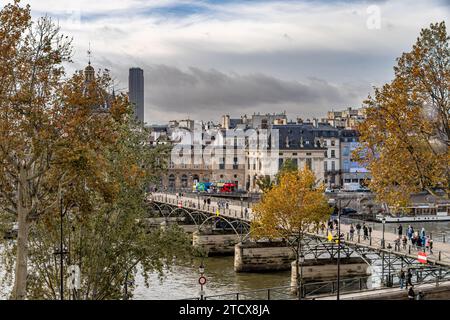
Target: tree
x=405, y=138
x=67, y=145
x=264, y=183
x=31, y=57
x=289, y=208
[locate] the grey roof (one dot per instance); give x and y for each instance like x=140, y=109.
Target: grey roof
x=295, y=134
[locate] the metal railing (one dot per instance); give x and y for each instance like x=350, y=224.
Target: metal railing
x=314, y=290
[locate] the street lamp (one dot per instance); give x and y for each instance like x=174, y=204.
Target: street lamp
x=384, y=223
x=242, y=210
x=339, y=250
x=302, y=260
x=389, y=247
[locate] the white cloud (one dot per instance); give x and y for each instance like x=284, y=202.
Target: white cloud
x=288, y=41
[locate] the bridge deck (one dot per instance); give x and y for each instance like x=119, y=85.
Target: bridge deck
x=440, y=255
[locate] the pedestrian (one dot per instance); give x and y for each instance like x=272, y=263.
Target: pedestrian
x=402, y=278
x=431, y=246
x=427, y=243
x=322, y=227
x=411, y=293
x=409, y=233
x=419, y=242
x=413, y=241
x=409, y=279
x=397, y=244
x=352, y=231
x=400, y=231
x=358, y=229
x=404, y=242
x=366, y=232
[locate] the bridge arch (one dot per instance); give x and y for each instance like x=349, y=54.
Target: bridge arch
x=190, y=214
x=221, y=218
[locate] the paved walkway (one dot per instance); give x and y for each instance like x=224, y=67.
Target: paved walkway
x=388, y=293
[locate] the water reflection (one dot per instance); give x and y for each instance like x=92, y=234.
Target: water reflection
x=182, y=281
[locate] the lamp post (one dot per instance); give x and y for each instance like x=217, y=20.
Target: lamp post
x=339, y=251
x=389, y=247
x=302, y=260
x=382, y=239
x=242, y=209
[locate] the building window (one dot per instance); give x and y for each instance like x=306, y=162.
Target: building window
x=326, y=154
x=333, y=166
x=325, y=166
x=333, y=153
x=333, y=143
x=346, y=165
x=171, y=181
x=309, y=163
x=308, y=153
x=346, y=152
x=184, y=181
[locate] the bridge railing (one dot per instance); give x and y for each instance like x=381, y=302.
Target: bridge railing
x=380, y=243
x=313, y=290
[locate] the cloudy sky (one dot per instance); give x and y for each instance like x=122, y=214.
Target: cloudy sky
x=205, y=58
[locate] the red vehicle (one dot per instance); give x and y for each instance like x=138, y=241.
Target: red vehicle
x=228, y=187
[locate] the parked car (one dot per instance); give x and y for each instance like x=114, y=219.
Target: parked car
x=346, y=211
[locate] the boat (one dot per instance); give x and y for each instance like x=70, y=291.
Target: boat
x=417, y=212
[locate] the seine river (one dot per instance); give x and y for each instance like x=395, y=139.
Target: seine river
x=182, y=281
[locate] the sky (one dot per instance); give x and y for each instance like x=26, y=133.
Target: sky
x=206, y=58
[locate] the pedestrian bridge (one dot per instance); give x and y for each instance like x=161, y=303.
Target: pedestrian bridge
x=384, y=257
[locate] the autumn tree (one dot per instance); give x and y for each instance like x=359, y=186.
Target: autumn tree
x=265, y=183
x=289, y=208
x=70, y=150
x=31, y=57
x=405, y=138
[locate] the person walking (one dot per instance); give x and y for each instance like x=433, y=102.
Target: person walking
x=431, y=246
x=400, y=231
x=358, y=229
x=409, y=279
x=404, y=242
x=402, y=278
x=409, y=233
x=366, y=232
x=411, y=293
x=352, y=232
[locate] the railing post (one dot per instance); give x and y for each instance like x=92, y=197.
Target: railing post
x=332, y=287
x=370, y=241
x=409, y=249
x=360, y=284
x=268, y=294
x=237, y=296
x=359, y=238
x=439, y=257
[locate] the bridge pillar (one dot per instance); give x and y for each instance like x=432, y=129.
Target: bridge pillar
x=262, y=256
x=316, y=270
x=215, y=242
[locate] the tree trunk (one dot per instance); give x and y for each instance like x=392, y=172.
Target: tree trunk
x=20, y=281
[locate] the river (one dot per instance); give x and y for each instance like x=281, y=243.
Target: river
x=182, y=281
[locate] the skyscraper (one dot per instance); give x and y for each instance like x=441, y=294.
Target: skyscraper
x=136, y=92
